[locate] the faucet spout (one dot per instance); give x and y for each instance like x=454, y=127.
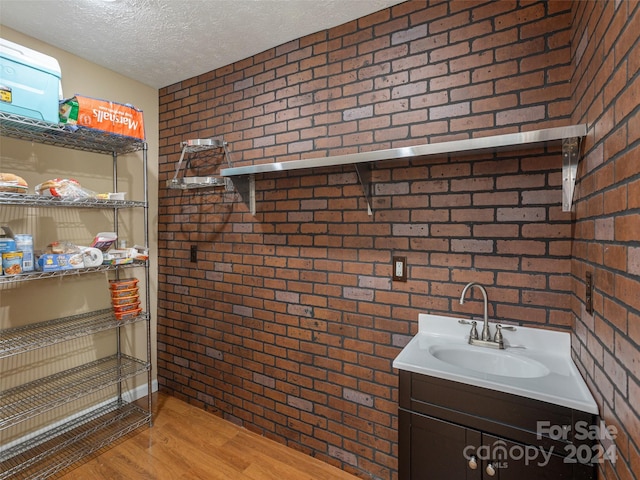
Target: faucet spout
x=486, y=335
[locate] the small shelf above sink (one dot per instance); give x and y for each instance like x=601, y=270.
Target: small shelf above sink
x=570, y=136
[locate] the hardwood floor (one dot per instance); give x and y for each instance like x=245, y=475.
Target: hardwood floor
x=186, y=442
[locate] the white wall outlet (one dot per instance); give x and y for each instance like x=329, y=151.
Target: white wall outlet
x=399, y=269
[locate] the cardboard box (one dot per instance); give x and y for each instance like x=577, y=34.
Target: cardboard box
x=103, y=115
x=29, y=82
x=7, y=240
x=7, y=245
x=51, y=262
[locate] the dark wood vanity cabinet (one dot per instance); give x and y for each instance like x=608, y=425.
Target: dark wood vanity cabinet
x=447, y=428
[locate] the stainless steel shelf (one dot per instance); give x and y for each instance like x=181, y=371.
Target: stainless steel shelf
x=49, y=453
x=32, y=399
x=28, y=276
x=569, y=136
x=40, y=201
x=77, y=138
x=191, y=148
x=188, y=183
x=442, y=148
x=203, y=144
x=17, y=340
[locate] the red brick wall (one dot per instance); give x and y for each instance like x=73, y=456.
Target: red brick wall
x=289, y=321
x=606, y=85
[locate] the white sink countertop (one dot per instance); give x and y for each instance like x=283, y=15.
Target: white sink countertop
x=542, y=370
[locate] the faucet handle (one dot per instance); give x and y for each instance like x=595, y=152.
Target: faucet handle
x=474, y=331
x=498, y=336
x=473, y=334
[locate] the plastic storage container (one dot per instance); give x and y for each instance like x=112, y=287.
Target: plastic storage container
x=29, y=82
x=120, y=301
x=123, y=284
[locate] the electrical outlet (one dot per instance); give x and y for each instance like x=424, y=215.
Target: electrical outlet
x=400, y=269
x=588, y=296
x=194, y=253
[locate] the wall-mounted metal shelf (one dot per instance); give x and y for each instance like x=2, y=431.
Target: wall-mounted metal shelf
x=244, y=177
x=211, y=147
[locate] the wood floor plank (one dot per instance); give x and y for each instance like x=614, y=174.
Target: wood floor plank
x=188, y=443
x=289, y=462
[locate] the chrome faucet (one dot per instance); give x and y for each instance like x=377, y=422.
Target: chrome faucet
x=485, y=337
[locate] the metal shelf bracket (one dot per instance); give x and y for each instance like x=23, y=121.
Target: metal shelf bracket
x=570, y=151
x=364, y=176
x=246, y=187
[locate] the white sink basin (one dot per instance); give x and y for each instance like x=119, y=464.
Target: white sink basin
x=495, y=362
x=540, y=367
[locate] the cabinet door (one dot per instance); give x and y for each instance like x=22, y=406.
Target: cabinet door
x=514, y=461
x=432, y=449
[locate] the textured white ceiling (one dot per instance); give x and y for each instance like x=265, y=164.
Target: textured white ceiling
x=161, y=42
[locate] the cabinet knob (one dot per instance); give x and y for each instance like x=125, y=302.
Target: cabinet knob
x=491, y=471
x=473, y=463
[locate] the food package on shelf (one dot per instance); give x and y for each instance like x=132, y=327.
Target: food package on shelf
x=140, y=253
x=104, y=240
x=7, y=240
x=11, y=263
x=126, y=284
x=61, y=256
x=24, y=244
x=65, y=188
x=127, y=314
x=16, y=252
x=118, y=257
x=112, y=196
x=122, y=301
x=125, y=298
x=126, y=255
x=52, y=262
x=103, y=115
x=10, y=183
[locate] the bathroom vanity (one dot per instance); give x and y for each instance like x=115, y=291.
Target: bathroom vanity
x=469, y=412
